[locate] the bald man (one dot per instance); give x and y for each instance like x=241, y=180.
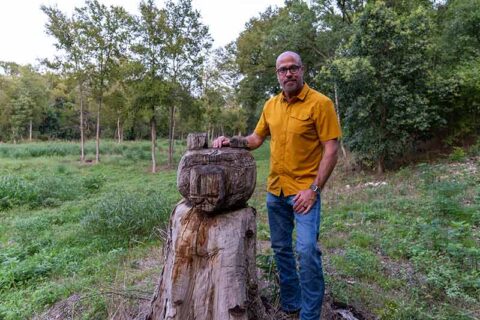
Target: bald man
x=304, y=131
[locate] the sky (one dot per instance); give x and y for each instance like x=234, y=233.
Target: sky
x=22, y=24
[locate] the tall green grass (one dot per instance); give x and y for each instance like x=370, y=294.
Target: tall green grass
x=45, y=190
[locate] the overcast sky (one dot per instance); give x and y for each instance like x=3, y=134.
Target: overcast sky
x=22, y=23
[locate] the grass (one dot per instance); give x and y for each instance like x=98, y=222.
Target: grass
x=403, y=247
x=68, y=228
x=407, y=248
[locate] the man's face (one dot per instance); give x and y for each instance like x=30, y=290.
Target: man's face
x=290, y=74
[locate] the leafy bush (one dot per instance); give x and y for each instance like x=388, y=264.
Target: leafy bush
x=458, y=154
x=126, y=216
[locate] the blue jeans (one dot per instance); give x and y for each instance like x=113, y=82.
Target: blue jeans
x=301, y=290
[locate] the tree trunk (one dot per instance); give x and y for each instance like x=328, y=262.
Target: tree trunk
x=82, y=132
x=119, y=131
x=381, y=165
x=30, y=131
x=153, y=131
x=209, y=268
x=97, y=136
x=171, y=136
x=337, y=107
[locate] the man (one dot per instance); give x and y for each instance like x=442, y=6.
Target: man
x=304, y=129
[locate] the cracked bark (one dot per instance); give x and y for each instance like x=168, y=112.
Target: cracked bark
x=210, y=269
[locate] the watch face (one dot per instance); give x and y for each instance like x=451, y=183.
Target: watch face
x=314, y=187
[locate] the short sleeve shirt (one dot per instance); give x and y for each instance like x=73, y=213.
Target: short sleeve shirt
x=297, y=130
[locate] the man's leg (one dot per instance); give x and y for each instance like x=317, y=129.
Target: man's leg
x=310, y=261
x=280, y=219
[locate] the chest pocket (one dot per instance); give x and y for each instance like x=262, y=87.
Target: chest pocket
x=300, y=123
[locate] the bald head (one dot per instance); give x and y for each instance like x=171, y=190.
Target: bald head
x=289, y=54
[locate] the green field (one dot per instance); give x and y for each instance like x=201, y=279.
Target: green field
x=404, y=245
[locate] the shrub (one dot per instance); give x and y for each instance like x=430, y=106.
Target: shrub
x=458, y=154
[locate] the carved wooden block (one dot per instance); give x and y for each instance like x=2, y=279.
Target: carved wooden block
x=217, y=179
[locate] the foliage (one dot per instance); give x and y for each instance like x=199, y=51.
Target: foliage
x=266, y=36
x=382, y=75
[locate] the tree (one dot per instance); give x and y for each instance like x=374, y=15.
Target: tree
x=186, y=44
x=33, y=86
x=72, y=42
x=106, y=32
x=21, y=112
x=456, y=73
x=149, y=53
x=22, y=101
x=274, y=31
x=383, y=76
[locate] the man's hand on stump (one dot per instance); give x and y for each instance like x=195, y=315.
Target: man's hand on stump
x=221, y=142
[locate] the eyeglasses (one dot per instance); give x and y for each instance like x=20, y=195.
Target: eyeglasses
x=293, y=70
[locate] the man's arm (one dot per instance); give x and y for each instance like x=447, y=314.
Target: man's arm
x=253, y=141
x=305, y=199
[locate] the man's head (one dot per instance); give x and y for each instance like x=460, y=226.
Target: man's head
x=290, y=73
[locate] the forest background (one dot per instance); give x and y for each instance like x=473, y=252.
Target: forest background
x=404, y=74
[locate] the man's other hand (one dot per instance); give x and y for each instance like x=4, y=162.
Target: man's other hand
x=304, y=200
x=221, y=142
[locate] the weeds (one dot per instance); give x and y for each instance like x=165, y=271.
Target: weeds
x=125, y=216
x=45, y=190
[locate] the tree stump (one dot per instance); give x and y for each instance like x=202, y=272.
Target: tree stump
x=209, y=268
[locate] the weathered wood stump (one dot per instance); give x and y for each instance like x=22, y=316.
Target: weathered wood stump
x=209, y=270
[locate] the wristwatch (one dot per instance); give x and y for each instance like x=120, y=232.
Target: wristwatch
x=315, y=188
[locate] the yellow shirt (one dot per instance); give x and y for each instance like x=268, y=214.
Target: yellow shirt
x=296, y=129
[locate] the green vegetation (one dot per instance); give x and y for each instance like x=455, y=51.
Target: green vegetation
x=407, y=248
x=68, y=227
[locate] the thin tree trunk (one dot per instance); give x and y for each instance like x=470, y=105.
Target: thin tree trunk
x=153, y=131
x=170, y=136
x=97, y=137
x=82, y=132
x=337, y=107
x=30, y=131
x=381, y=165
x=119, y=130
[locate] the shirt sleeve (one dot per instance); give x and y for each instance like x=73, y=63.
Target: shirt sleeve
x=328, y=127
x=262, y=128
